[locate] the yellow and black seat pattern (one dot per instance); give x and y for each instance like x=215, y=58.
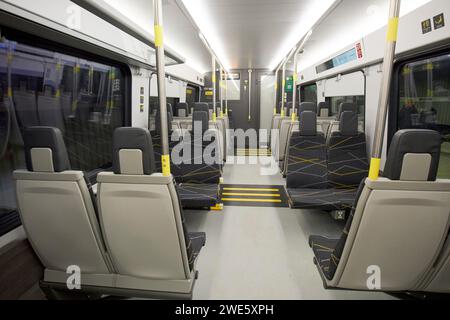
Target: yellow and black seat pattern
x=328, y=252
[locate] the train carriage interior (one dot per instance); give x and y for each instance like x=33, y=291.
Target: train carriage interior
x=224, y=150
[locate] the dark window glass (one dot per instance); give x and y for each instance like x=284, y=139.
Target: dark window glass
x=38, y=87
x=308, y=93
x=424, y=101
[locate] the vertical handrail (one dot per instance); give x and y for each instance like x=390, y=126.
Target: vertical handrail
x=275, y=110
x=283, y=88
x=226, y=93
x=295, y=77
x=249, y=95
x=221, y=91
x=213, y=80
x=161, y=74
x=388, y=63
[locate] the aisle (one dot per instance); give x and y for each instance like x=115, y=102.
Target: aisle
x=262, y=253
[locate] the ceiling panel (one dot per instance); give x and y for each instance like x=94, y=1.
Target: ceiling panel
x=255, y=33
x=179, y=33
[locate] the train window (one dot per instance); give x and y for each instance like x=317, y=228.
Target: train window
x=308, y=93
x=424, y=101
x=38, y=87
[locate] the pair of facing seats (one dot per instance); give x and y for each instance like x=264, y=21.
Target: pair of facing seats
x=135, y=243
x=197, y=180
x=322, y=173
x=398, y=230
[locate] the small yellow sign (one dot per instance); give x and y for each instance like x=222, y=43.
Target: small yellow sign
x=189, y=91
x=208, y=93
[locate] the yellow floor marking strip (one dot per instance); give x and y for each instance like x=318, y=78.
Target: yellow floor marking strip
x=252, y=195
x=251, y=200
x=250, y=189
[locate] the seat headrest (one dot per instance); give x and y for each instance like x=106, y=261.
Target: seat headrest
x=200, y=120
x=348, y=125
x=158, y=122
x=347, y=106
x=308, y=123
x=323, y=106
x=133, y=152
x=202, y=106
x=182, y=105
x=414, y=155
x=307, y=106
x=45, y=150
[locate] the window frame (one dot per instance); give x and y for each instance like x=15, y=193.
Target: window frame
x=64, y=47
x=394, y=99
x=302, y=90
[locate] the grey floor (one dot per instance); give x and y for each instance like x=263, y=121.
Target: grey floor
x=262, y=253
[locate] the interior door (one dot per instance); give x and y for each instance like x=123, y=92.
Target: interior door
x=245, y=111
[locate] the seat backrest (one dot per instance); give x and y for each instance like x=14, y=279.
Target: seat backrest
x=57, y=208
x=307, y=158
x=203, y=140
x=346, y=107
x=307, y=106
x=323, y=110
x=413, y=156
x=182, y=109
x=415, y=209
x=347, y=154
x=202, y=106
x=140, y=213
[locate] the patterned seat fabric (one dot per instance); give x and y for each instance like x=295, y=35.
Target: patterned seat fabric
x=321, y=199
x=198, y=195
x=347, y=154
x=328, y=252
x=197, y=182
x=307, y=165
x=325, y=175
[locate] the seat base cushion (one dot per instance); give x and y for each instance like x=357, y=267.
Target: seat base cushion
x=198, y=195
x=323, y=249
x=322, y=199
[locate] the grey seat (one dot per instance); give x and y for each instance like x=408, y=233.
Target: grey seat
x=197, y=178
x=182, y=110
x=307, y=164
x=307, y=106
x=58, y=211
x=398, y=224
x=143, y=221
x=347, y=161
x=346, y=107
x=323, y=110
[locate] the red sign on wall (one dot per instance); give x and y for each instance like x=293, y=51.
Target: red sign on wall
x=359, y=50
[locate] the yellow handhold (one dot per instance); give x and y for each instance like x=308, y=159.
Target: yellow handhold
x=374, y=172
x=159, y=36
x=165, y=162
x=392, y=31
x=294, y=117
x=10, y=92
